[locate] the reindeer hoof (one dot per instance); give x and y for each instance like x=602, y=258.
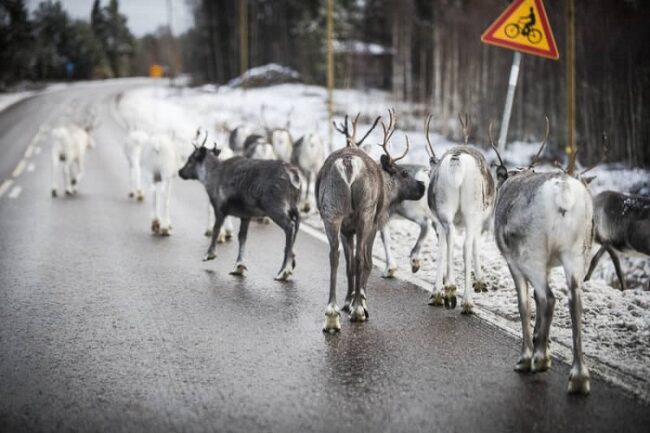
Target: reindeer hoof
x=240, y=270
x=228, y=235
x=139, y=196
x=467, y=308
x=540, y=364
x=306, y=208
x=155, y=226
x=283, y=275
x=208, y=233
x=165, y=231
x=436, y=299
x=54, y=193
x=415, y=265
x=389, y=273
x=523, y=365
x=209, y=256
x=73, y=182
x=332, y=320
x=221, y=239
x=579, y=383
x=450, y=300
x=131, y=195
x=358, y=314
x=69, y=192
x=479, y=286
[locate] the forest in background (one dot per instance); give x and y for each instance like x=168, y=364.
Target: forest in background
x=430, y=57
x=437, y=63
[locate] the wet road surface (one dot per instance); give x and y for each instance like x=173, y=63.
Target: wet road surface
x=104, y=327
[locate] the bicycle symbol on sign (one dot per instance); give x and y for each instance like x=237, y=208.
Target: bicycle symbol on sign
x=513, y=30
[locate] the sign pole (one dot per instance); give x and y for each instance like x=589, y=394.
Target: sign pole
x=571, y=85
x=330, y=70
x=243, y=41
x=507, y=110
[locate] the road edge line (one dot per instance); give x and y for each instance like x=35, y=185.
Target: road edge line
x=562, y=353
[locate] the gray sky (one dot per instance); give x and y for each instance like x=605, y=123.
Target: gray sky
x=144, y=16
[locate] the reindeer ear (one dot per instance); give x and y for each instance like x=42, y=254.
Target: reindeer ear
x=386, y=164
x=502, y=173
x=588, y=179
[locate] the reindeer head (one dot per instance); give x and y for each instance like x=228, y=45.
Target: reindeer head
x=400, y=183
x=194, y=167
x=502, y=172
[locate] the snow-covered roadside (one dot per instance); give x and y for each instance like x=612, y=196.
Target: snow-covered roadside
x=616, y=324
x=7, y=99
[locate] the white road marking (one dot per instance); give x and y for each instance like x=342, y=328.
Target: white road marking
x=37, y=150
x=31, y=167
x=28, y=152
x=19, y=169
x=15, y=192
x=5, y=186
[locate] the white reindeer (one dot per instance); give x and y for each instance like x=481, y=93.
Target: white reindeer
x=135, y=142
x=237, y=138
x=308, y=155
x=461, y=193
x=279, y=138
x=161, y=159
x=69, y=144
x=544, y=220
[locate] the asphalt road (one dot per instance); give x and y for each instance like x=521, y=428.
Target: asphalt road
x=104, y=327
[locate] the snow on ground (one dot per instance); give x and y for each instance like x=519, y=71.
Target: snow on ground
x=616, y=324
x=7, y=99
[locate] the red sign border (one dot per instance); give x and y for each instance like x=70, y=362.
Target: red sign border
x=488, y=35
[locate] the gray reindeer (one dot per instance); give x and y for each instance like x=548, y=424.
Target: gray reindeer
x=248, y=188
x=544, y=220
x=622, y=224
x=353, y=194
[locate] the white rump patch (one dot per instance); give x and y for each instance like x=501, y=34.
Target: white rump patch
x=349, y=168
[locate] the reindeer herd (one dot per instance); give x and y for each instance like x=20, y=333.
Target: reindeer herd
x=540, y=220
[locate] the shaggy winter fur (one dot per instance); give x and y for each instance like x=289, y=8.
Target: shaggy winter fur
x=461, y=193
x=622, y=225
x=248, y=188
x=308, y=155
x=543, y=220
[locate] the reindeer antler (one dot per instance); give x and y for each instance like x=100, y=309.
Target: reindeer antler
x=429, y=147
x=465, y=124
x=390, y=130
x=493, y=146
x=196, y=137
x=342, y=127
x=541, y=148
x=388, y=133
x=374, y=124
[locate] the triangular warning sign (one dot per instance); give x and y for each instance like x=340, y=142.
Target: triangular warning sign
x=523, y=26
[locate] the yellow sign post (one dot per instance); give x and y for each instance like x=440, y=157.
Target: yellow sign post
x=522, y=27
x=156, y=71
